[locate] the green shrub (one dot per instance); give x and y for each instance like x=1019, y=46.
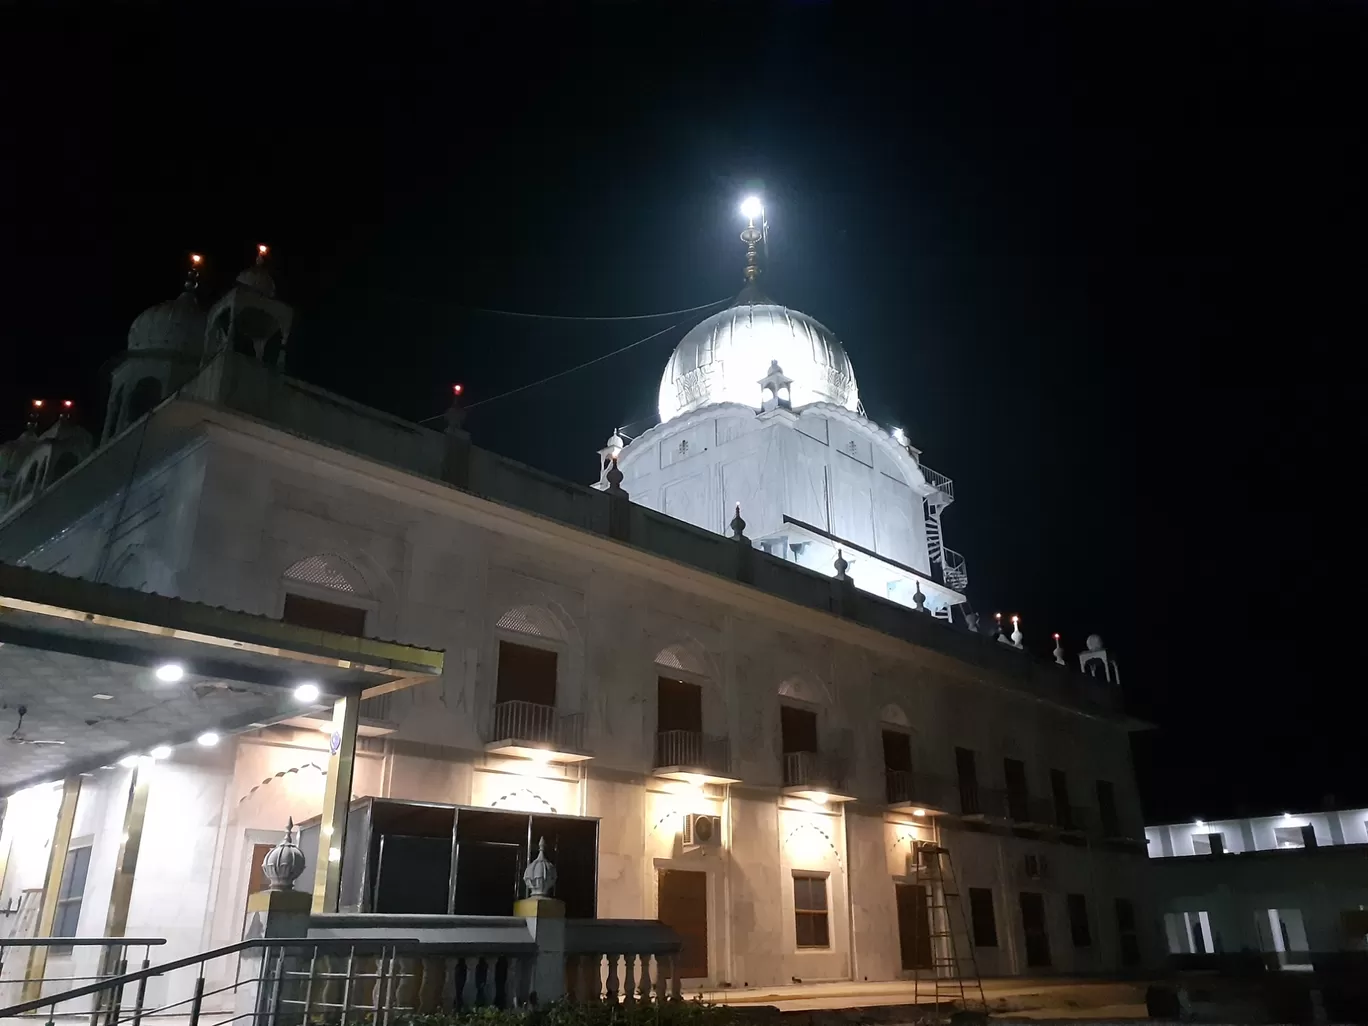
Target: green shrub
x=563, y=1013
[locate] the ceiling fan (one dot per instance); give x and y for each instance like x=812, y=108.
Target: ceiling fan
x=17, y=736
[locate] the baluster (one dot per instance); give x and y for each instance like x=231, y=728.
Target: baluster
x=511, y=982
x=645, y=979
x=629, y=979
x=611, y=991
x=468, y=987
x=674, y=976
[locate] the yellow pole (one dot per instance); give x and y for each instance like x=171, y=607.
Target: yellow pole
x=130, y=842
x=332, y=833
x=52, y=885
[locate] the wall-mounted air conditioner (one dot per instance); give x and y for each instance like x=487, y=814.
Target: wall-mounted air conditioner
x=702, y=831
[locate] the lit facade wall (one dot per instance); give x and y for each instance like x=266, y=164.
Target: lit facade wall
x=235, y=515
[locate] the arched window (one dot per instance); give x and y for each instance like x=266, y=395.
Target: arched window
x=115, y=409
x=146, y=394
x=326, y=572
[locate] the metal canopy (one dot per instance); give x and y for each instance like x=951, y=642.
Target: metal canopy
x=80, y=658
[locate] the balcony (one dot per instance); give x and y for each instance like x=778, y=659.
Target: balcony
x=919, y=793
x=694, y=757
x=816, y=776
x=527, y=730
x=940, y=483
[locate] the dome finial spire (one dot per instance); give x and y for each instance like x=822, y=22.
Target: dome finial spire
x=752, y=209
x=193, y=271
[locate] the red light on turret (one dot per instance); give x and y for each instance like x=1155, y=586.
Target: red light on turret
x=1055, y=636
x=196, y=259
x=37, y=404
x=67, y=404
x=262, y=249
x=457, y=389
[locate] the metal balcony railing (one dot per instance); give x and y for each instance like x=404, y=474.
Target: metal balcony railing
x=905, y=787
x=537, y=724
x=693, y=750
x=813, y=769
x=953, y=571
x=938, y=481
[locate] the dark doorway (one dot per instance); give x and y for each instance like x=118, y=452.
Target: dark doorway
x=526, y=674
x=683, y=906
x=914, y=926
x=798, y=728
x=679, y=706
x=966, y=772
x=1033, y=924
x=323, y=616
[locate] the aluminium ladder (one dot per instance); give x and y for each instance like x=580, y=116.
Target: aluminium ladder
x=950, y=978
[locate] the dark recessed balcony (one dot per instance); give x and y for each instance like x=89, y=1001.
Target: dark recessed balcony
x=694, y=757
x=816, y=776
x=542, y=733
x=922, y=794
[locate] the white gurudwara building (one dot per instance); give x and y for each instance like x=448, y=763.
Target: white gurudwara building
x=762, y=725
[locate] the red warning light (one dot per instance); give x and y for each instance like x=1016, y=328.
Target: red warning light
x=1056, y=636
x=37, y=404
x=457, y=389
x=67, y=404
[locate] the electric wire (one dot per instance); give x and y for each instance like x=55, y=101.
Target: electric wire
x=577, y=317
x=562, y=373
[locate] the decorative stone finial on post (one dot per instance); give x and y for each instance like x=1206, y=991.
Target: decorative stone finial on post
x=283, y=864
x=540, y=875
x=841, y=566
x=1058, y=650
x=614, y=478
x=1016, y=631
x=738, y=525
x=918, y=599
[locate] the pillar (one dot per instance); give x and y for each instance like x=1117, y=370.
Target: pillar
x=332, y=833
x=52, y=885
x=546, y=923
x=126, y=864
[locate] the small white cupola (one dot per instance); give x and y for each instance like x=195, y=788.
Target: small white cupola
x=775, y=389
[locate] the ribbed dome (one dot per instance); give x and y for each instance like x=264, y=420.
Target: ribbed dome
x=175, y=324
x=258, y=278
x=723, y=359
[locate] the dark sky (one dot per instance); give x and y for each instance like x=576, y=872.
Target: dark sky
x=1104, y=262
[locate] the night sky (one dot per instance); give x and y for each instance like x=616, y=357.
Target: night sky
x=1104, y=263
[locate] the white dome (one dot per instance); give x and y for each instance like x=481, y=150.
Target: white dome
x=722, y=360
x=175, y=324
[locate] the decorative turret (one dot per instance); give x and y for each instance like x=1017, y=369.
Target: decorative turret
x=249, y=319
x=1097, y=663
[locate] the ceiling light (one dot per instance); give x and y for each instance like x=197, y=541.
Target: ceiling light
x=819, y=797
x=169, y=673
x=919, y=812
x=208, y=739
x=103, y=697
x=307, y=692
x=129, y=761
x=160, y=752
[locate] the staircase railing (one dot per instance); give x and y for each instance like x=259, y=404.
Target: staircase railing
x=113, y=958
x=377, y=973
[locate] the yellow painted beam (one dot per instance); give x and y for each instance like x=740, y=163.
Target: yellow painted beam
x=332, y=832
x=52, y=885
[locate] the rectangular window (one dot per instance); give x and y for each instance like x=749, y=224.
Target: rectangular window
x=323, y=616
x=799, y=729
x=982, y=917
x=526, y=674
x=967, y=773
x=1059, y=787
x=1078, y=921
x=1125, y=926
x=70, y=892
x=679, y=706
x=1018, y=794
x=810, y=922
x=1106, y=808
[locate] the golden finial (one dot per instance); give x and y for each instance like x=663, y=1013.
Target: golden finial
x=752, y=210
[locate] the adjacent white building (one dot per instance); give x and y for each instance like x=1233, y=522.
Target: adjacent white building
x=744, y=724
x=1291, y=886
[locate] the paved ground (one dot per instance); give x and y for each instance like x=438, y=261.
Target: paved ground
x=1022, y=998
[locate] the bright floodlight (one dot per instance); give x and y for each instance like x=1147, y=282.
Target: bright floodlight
x=751, y=208
x=307, y=692
x=208, y=739
x=160, y=752
x=170, y=672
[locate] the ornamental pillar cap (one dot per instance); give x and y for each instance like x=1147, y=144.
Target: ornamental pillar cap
x=540, y=874
x=283, y=864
